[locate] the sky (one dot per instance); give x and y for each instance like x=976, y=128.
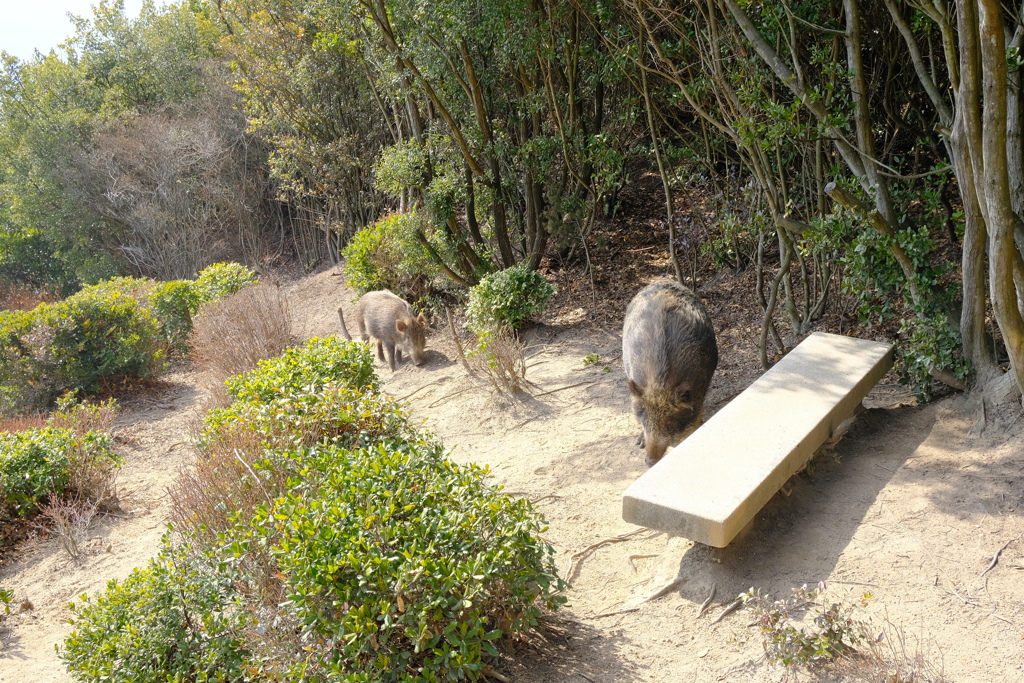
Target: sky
x=27, y=25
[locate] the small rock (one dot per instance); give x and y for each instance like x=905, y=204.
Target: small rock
x=26, y=605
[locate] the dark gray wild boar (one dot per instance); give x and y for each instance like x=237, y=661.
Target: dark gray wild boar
x=669, y=354
x=392, y=322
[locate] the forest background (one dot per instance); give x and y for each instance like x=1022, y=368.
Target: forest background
x=870, y=148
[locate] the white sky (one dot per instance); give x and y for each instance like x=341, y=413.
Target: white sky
x=26, y=25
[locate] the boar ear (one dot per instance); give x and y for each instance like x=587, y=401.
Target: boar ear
x=422, y=319
x=683, y=393
x=634, y=388
x=400, y=325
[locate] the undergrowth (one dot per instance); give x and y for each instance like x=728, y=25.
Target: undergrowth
x=322, y=537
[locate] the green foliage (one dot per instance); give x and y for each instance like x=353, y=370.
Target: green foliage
x=833, y=632
x=220, y=279
x=929, y=341
x=508, y=298
x=343, y=545
x=169, y=621
x=117, y=328
x=428, y=565
x=70, y=452
x=389, y=255
x=174, y=303
x=27, y=258
x=6, y=597
x=336, y=414
x=310, y=367
x=33, y=464
x=94, y=336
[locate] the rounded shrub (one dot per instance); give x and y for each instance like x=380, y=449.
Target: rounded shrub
x=508, y=298
x=100, y=334
x=167, y=622
x=319, y=362
x=220, y=279
x=174, y=303
x=400, y=565
x=388, y=255
x=33, y=464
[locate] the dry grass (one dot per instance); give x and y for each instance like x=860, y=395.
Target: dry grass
x=500, y=357
x=15, y=298
x=19, y=423
x=894, y=657
x=69, y=520
x=231, y=335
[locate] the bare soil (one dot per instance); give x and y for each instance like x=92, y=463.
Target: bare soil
x=911, y=506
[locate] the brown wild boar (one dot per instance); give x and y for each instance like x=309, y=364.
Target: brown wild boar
x=391, y=321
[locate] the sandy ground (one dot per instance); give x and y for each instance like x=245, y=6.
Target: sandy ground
x=910, y=507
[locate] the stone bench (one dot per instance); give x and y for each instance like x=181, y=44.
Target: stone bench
x=712, y=484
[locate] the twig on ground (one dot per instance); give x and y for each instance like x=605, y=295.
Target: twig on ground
x=448, y=396
x=707, y=603
x=580, y=555
x=550, y=495
x=639, y=557
x=612, y=614
x=995, y=558
x=664, y=590
x=568, y=386
x=428, y=384
x=586, y=677
x=732, y=607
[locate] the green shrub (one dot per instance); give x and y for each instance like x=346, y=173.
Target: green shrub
x=508, y=298
x=174, y=303
x=33, y=464
x=38, y=463
x=356, y=550
x=388, y=255
x=169, y=621
x=398, y=565
x=220, y=279
x=319, y=362
x=99, y=334
x=336, y=414
x=89, y=339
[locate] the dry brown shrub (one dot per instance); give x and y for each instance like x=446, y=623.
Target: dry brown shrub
x=222, y=486
x=69, y=519
x=15, y=298
x=19, y=423
x=500, y=356
x=231, y=335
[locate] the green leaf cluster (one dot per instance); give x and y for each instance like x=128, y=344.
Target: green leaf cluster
x=38, y=463
x=508, y=298
x=389, y=255
x=168, y=621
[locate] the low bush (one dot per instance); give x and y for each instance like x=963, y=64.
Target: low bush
x=220, y=279
x=116, y=329
x=310, y=367
x=400, y=565
x=508, y=298
x=72, y=452
x=324, y=538
x=167, y=621
x=233, y=334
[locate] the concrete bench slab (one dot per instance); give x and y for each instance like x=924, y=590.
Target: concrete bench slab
x=712, y=484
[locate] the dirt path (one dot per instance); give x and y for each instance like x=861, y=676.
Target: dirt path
x=911, y=509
